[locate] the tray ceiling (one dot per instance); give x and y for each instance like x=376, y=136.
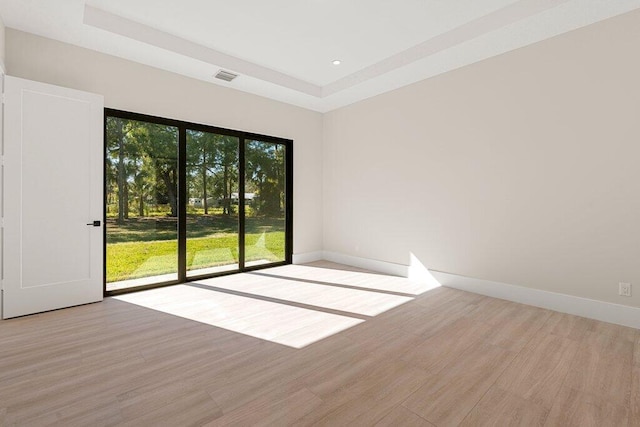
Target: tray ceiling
x=284, y=49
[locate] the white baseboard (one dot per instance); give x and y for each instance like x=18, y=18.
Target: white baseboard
x=598, y=310
x=367, y=264
x=592, y=309
x=306, y=257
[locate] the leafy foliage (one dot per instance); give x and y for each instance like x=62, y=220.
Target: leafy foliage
x=142, y=199
x=142, y=166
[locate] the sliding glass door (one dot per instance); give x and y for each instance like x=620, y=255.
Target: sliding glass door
x=141, y=203
x=212, y=216
x=186, y=201
x=265, y=202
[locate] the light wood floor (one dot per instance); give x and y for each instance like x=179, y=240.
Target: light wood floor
x=442, y=357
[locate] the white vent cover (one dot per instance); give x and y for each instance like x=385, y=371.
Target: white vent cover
x=227, y=76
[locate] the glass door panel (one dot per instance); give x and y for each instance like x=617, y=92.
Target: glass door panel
x=265, y=202
x=212, y=210
x=141, y=203
x=185, y=201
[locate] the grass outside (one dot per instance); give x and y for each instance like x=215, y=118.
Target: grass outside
x=144, y=247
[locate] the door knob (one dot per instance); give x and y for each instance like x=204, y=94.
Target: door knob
x=95, y=223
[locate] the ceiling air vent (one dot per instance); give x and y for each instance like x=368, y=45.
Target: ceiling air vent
x=225, y=75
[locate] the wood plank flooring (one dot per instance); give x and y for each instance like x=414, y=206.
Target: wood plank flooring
x=408, y=357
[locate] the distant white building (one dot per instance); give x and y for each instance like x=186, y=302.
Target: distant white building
x=248, y=197
x=197, y=202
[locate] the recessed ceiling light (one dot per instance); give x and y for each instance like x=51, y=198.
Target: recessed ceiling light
x=336, y=62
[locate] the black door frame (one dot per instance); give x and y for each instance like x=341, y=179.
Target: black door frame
x=243, y=137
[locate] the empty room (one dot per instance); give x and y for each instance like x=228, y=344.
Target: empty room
x=320, y=212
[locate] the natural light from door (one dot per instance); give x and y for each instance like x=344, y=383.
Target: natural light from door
x=290, y=305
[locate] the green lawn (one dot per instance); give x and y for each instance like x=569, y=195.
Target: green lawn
x=145, y=247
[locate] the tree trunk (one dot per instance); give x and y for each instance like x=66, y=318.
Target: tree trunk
x=170, y=180
x=121, y=172
x=227, y=193
x=141, y=207
x=126, y=201
x=204, y=181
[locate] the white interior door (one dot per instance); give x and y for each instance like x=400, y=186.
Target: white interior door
x=53, y=188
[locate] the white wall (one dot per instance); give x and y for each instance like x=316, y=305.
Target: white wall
x=134, y=87
x=522, y=169
x=2, y=44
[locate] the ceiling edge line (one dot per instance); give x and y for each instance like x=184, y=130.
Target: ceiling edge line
x=469, y=31
x=119, y=25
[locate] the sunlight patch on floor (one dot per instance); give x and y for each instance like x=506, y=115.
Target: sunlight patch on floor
x=364, y=280
x=325, y=296
x=280, y=323
x=293, y=305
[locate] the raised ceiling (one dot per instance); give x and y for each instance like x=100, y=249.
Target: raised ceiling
x=283, y=49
